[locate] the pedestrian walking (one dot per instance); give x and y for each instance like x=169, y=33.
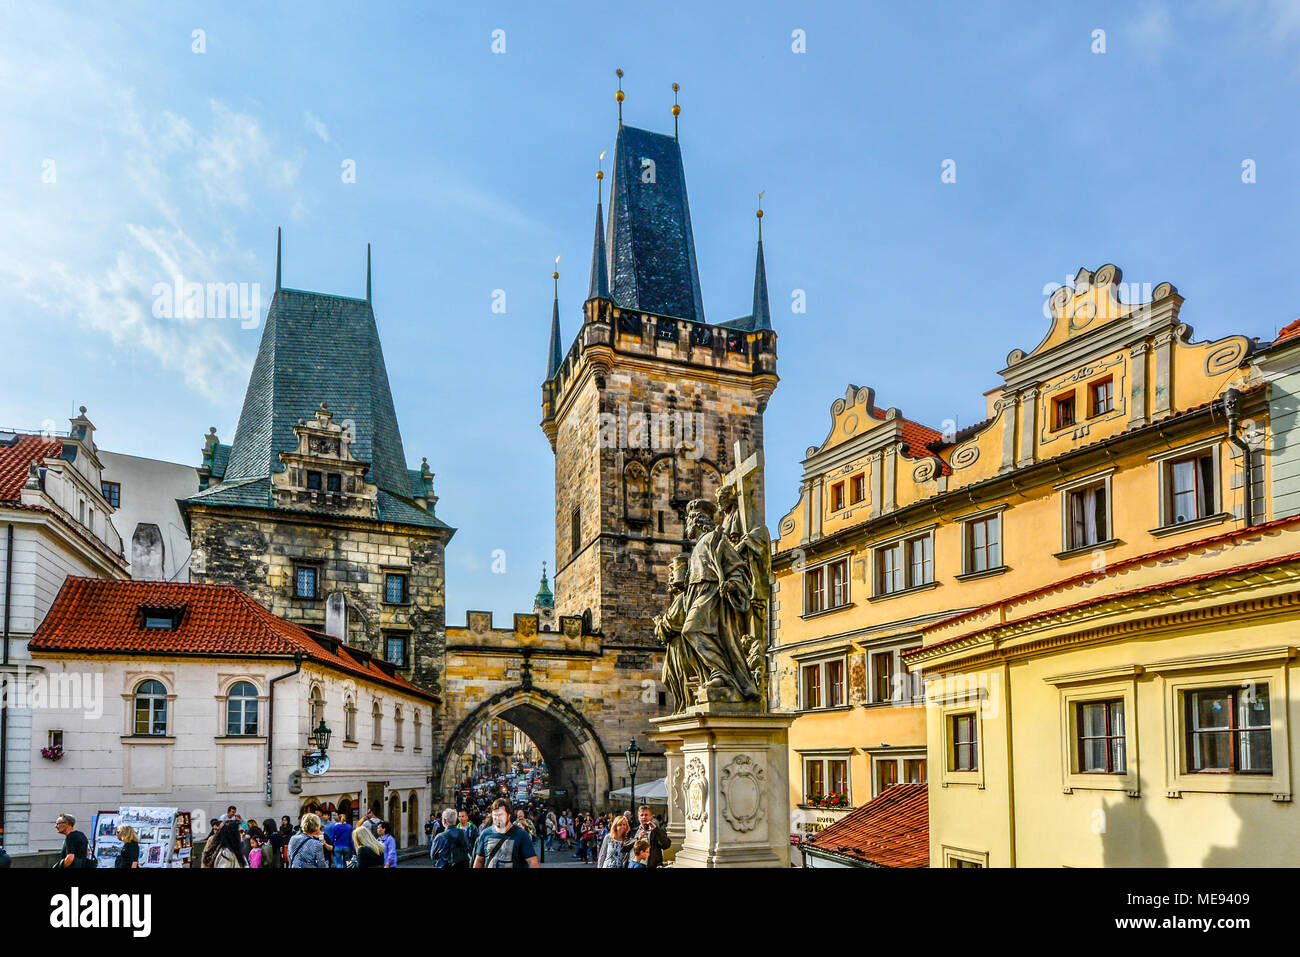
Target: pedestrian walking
x=340, y=837
x=370, y=853
x=390, y=845
x=272, y=845
x=504, y=844
x=612, y=853
x=76, y=849
x=230, y=847
x=306, y=849
x=651, y=833
x=470, y=828
x=451, y=846
x=552, y=825
x=129, y=858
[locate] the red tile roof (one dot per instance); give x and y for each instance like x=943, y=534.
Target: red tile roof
x=97, y=616
x=1289, y=331
x=15, y=458
x=891, y=830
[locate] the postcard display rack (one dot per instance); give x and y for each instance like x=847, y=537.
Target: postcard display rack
x=164, y=835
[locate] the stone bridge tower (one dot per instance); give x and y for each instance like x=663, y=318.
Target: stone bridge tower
x=644, y=412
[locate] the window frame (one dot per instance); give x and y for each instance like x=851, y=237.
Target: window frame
x=1059, y=403
x=1109, y=684
x=315, y=569
x=1066, y=492
x=230, y=698
x=391, y=634
x=1191, y=729
x=405, y=575
x=838, y=496
x=966, y=701
x=1165, y=462
x=821, y=667
x=1093, y=406
x=968, y=523
x=823, y=759
x=822, y=571
x=900, y=677
x=153, y=712
x=903, y=546
x=899, y=758
x=857, y=488
x=112, y=492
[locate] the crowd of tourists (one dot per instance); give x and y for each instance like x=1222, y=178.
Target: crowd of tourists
x=464, y=839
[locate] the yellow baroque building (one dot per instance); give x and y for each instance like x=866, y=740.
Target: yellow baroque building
x=1076, y=620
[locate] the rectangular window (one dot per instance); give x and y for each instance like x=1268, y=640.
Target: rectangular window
x=1190, y=490
x=1063, y=412
x=886, y=775
x=857, y=489
x=575, y=531
x=305, y=582
x=334, y=482
x=161, y=622
x=812, y=686
x=395, y=650
x=838, y=776
x=889, y=569
x=914, y=770
x=984, y=544
x=395, y=588
x=1101, y=396
x=963, y=753
x=113, y=493
x=958, y=863
x=882, y=666
x=905, y=564
x=815, y=590
x=313, y=481
x=834, y=683
x=1087, y=516
x=1229, y=730
x=837, y=496
x=826, y=586
x=1099, y=726
x=814, y=779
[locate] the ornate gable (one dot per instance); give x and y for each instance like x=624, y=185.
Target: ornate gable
x=321, y=474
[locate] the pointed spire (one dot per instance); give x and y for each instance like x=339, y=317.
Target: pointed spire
x=367, y=272
x=619, y=96
x=554, y=356
x=762, y=315
x=599, y=288
x=277, y=257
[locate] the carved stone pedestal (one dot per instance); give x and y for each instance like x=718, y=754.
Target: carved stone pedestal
x=728, y=786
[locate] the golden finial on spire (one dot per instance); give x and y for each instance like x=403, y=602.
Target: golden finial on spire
x=619, y=95
x=760, y=214
x=677, y=110
x=600, y=173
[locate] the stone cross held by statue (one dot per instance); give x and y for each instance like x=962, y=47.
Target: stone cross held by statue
x=737, y=477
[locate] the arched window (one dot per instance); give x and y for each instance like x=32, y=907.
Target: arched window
x=377, y=720
x=150, y=708
x=419, y=731
x=241, y=709
x=397, y=724
x=317, y=708
x=350, y=720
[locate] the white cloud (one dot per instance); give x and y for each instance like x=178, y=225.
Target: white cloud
x=316, y=125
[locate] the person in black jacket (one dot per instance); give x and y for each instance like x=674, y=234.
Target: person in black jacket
x=651, y=833
x=130, y=856
x=76, y=849
x=450, y=847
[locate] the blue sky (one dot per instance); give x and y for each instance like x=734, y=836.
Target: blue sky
x=129, y=158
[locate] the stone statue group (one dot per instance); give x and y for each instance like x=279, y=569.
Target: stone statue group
x=715, y=628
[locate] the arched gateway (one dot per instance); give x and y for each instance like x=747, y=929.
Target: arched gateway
x=568, y=743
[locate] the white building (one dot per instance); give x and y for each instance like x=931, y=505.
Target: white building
x=143, y=494
x=176, y=695
x=54, y=522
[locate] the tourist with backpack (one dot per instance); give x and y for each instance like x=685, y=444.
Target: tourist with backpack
x=450, y=847
x=504, y=844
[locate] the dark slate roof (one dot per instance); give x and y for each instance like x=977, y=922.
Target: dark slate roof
x=220, y=460
x=318, y=348
x=652, y=264
x=762, y=315
x=555, y=355
x=599, y=288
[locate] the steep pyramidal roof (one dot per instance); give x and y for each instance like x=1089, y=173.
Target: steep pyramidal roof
x=318, y=348
x=555, y=354
x=652, y=265
x=762, y=315
x=599, y=288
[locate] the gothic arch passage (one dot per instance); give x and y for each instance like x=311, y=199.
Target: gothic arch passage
x=567, y=742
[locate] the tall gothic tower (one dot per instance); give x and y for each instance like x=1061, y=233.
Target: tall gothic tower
x=645, y=409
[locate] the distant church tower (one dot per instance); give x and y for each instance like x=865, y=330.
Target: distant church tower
x=645, y=408
x=544, y=604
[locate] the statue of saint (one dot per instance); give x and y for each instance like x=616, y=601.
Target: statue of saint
x=717, y=608
x=683, y=669
x=755, y=546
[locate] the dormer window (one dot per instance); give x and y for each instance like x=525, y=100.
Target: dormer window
x=314, y=481
x=160, y=619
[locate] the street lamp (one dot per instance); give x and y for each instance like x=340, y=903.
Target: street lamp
x=321, y=737
x=633, y=755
